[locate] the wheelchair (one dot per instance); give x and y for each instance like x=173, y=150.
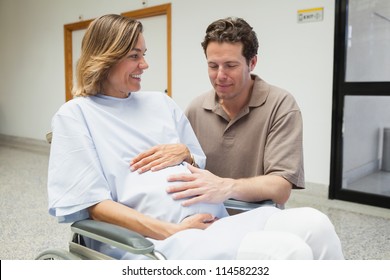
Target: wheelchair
x=120, y=237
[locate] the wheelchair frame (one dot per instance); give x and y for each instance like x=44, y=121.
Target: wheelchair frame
x=120, y=237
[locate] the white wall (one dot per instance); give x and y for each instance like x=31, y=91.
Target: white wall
x=297, y=57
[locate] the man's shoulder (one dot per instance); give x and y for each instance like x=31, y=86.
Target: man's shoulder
x=278, y=94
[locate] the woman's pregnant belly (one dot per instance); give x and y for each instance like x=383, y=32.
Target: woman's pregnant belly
x=147, y=194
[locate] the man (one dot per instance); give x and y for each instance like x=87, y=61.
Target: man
x=250, y=131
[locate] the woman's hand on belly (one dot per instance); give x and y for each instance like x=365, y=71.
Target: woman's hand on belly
x=160, y=157
x=199, y=221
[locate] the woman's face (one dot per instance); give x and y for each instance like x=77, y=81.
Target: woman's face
x=125, y=76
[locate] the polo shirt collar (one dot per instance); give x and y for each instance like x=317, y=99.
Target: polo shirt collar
x=260, y=92
x=259, y=95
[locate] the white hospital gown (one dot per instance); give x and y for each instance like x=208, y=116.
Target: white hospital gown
x=94, y=139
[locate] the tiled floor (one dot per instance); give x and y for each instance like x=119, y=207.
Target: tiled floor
x=27, y=228
x=376, y=183
x=364, y=230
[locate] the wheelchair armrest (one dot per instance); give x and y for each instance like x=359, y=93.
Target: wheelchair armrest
x=241, y=206
x=114, y=235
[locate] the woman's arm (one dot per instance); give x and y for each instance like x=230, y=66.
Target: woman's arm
x=115, y=213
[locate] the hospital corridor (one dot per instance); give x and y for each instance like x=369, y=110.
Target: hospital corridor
x=264, y=95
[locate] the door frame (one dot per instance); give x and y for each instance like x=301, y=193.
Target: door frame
x=341, y=88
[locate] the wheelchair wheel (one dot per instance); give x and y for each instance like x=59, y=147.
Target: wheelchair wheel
x=57, y=254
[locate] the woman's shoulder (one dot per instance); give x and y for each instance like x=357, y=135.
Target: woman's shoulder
x=73, y=106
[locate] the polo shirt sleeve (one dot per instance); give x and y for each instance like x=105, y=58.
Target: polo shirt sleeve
x=283, y=154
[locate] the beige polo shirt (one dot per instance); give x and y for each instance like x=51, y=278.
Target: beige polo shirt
x=264, y=138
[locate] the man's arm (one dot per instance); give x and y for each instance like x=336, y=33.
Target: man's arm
x=264, y=187
x=203, y=186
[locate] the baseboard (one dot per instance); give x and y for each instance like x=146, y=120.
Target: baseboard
x=356, y=174
x=24, y=143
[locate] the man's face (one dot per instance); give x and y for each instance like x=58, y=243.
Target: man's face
x=228, y=70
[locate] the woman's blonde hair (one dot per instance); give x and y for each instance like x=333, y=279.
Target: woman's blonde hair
x=107, y=40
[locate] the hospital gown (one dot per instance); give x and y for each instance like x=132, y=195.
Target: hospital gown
x=95, y=138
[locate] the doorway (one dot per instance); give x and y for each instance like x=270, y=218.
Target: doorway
x=360, y=156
